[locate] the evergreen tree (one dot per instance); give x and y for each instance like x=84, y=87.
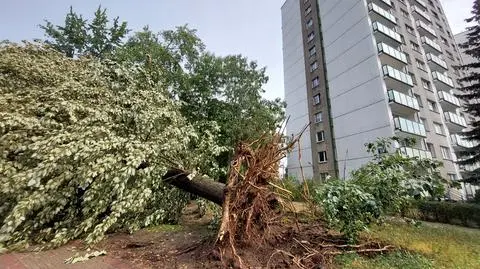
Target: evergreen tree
x=471, y=92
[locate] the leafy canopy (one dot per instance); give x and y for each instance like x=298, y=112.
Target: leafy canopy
x=78, y=37
x=224, y=90
x=84, y=146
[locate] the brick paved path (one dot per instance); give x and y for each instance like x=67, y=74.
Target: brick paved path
x=54, y=259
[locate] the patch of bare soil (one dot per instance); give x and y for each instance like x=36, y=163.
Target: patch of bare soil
x=294, y=244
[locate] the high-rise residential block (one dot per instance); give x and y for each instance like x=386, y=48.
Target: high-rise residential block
x=357, y=70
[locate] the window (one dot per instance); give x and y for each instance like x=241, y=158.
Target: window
x=404, y=12
x=409, y=29
x=449, y=54
x=426, y=85
x=419, y=100
x=324, y=176
x=438, y=128
x=435, y=14
x=309, y=23
x=315, y=82
x=445, y=153
x=432, y=106
x=316, y=99
x=431, y=148
x=440, y=27
x=415, y=46
x=408, y=58
x=311, y=36
x=444, y=41
x=425, y=124
x=318, y=117
x=414, y=79
x=420, y=64
x=313, y=66
x=322, y=157
x=312, y=51
x=452, y=177
x=321, y=136
x=308, y=10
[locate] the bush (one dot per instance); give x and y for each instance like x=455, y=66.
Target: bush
x=347, y=206
x=476, y=198
x=466, y=214
x=383, y=186
x=297, y=188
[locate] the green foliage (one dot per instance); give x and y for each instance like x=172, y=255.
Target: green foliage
x=466, y=214
x=296, y=187
x=476, y=198
x=223, y=90
x=382, y=186
x=78, y=37
x=470, y=93
x=347, y=206
x=84, y=146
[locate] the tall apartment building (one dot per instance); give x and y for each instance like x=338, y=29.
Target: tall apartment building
x=362, y=69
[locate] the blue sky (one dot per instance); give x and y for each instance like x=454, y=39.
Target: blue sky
x=248, y=27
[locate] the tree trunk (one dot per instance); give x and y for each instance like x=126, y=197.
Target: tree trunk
x=203, y=187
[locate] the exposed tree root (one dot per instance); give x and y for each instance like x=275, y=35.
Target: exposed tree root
x=250, y=204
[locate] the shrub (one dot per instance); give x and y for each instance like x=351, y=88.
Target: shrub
x=347, y=206
x=476, y=198
x=466, y=214
x=383, y=186
x=297, y=188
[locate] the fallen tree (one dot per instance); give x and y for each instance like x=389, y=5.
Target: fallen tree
x=198, y=185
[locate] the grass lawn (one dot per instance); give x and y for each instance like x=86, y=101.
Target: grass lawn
x=430, y=245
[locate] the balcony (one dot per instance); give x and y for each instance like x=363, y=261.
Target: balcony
x=468, y=167
x=442, y=82
x=448, y=101
x=431, y=46
x=412, y=153
x=402, y=103
x=420, y=14
x=454, y=122
x=409, y=127
x=386, y=35
x=396, y=79
x=420, y=2
x=436, y=63
x=460, y=143
x=425, y=29
x=390, y=56
x=379, y=14
x=385, y=4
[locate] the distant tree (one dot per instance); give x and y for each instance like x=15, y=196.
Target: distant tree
x=471, y=92
x=79, y=37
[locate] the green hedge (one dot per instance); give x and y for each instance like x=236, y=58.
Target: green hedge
x=465, y=214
